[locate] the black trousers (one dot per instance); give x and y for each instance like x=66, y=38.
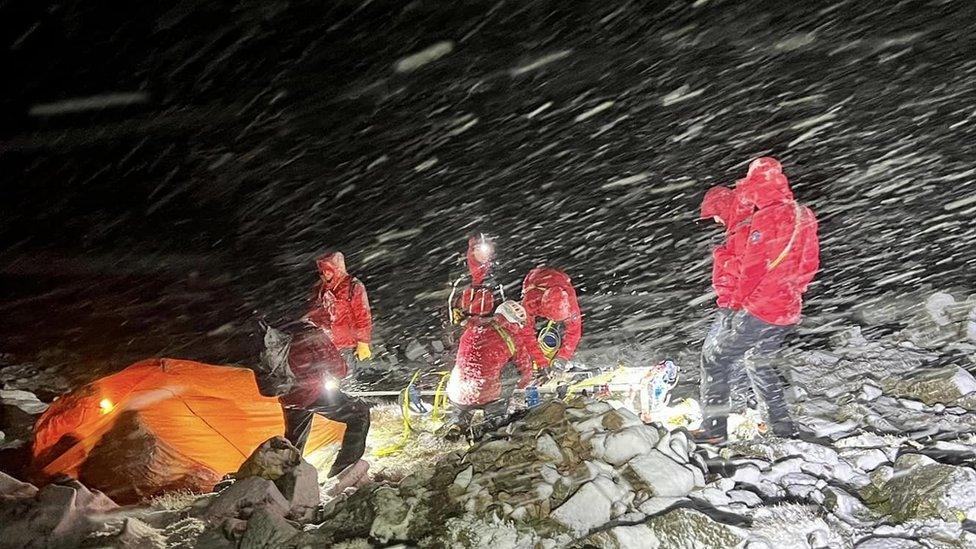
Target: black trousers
x=337, y=406
x=737, y=358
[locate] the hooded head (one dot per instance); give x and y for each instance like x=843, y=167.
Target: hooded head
x=480, y=256
x=332, y=266
x=512, y=312
x=724, y=206
x=765, y=184
x=555, y=305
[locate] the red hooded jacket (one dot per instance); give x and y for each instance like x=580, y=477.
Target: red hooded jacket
x=777, y=253
x=340, y=306
x=486, y=347
x=724, y=203
x=549, y=293
x=313, y=359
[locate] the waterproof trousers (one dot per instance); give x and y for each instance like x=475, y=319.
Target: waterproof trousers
x=738, y=358
x=337, y=406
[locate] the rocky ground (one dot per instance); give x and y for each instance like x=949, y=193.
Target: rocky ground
x=886, y=461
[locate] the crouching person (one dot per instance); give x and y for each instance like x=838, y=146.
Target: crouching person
x=318, y=366
x=492, y=360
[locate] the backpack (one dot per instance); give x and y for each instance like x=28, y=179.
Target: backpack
x=274, y=375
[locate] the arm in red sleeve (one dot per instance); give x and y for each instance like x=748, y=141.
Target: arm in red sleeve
x=523, y=359
x=723, y=276
x=527, y=336
x=574, y=332
x=362, y=317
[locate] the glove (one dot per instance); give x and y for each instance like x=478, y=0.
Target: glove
x=363, y=351
x=457, y=315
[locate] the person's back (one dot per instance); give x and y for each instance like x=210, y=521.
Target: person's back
x=480, y=378
x=778, y=253
x=548, y=293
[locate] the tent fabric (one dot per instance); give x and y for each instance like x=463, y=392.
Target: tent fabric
x=161, y=424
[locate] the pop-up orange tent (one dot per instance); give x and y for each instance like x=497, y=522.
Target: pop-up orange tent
x=161, y=425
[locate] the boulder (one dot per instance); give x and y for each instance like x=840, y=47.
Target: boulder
x=300, y=487
x=588, y=508
x=244, y=497
x=941, y=385
x=11, y=488
x=638, y=536
x=622, y=446
x=690, y=529
x=58, y=515
x=266, y=530
x=658, y=475
x=271, y=460
x=921, y=488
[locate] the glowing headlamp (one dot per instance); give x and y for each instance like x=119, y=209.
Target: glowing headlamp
x=106, y=406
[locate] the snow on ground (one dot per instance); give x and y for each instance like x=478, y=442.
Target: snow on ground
x=886, y=460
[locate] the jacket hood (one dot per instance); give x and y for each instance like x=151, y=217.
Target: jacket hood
x=334, y=261
x=477, y=269
x=555, y=305
x=765, y=184
x=725, y=204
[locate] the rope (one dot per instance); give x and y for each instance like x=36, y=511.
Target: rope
x=405, y=414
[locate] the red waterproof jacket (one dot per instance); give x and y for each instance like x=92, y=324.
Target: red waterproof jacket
x=724, y=203
x=313, y=359
x=487, y=345
x=340, y=307
x=778, y=252
x=549, y=293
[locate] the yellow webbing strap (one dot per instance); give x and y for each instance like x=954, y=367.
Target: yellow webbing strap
x=407, y=429
x=440, y=397
x=509, y=342
x=789, y=245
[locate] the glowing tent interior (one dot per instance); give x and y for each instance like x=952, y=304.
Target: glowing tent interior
x=161, y=425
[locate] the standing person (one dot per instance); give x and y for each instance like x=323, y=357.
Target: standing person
x=318, y=367
x=554, y=318
x=477, y=297
x=492, y=359
x=341, y=309
x=759, y=275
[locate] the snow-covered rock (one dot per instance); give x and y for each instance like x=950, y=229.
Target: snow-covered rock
x=920, y=488
x=659, y=475
x=690, y=529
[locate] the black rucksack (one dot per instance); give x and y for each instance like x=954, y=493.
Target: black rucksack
x=273, y=374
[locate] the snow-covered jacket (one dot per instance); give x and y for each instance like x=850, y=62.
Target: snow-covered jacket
x=487, y=345
x=549, y=293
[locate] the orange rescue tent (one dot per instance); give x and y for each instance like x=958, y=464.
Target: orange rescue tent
x=161, y=425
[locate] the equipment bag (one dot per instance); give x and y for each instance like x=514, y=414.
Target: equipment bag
x=273, y=374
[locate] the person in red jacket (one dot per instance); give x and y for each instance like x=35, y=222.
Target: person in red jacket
x=341, y=309
x=554, y=318
x=759, y=274
x=477, y=297
x=482, y=377
x=318, y=367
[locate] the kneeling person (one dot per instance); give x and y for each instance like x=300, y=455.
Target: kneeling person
x=492, y=359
